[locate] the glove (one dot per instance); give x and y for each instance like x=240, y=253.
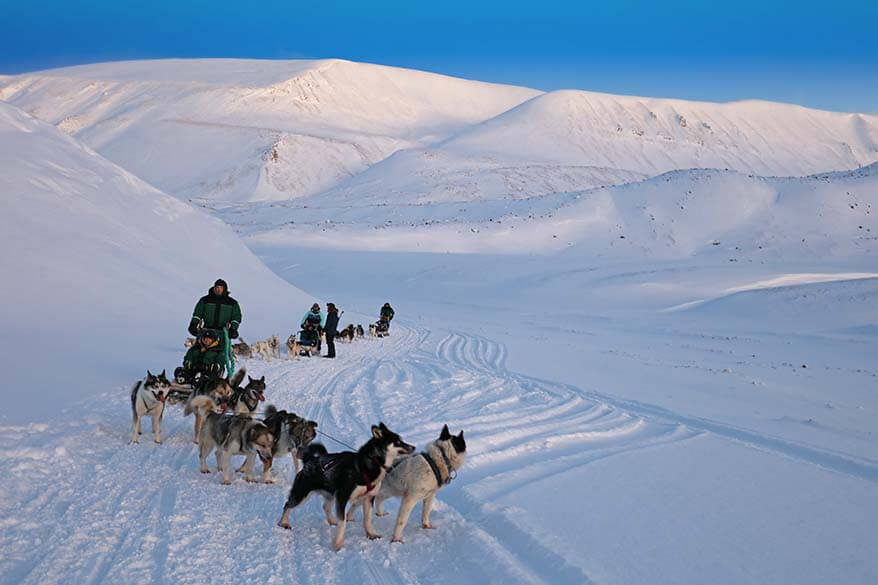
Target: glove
x=193, y=329
x=233, y=332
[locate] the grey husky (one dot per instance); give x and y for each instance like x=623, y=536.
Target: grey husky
x=230, y=435
x=420, y=476
x=348, y=477
x=291, y=432
x=148, y=397
x=220, y=390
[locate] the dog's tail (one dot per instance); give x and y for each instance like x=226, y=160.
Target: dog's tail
x=201, y=404
x=134, y=390
x=270, y=411
x=312, y=452
x=238, y=378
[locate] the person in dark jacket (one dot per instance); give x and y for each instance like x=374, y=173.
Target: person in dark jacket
x=386, y=315
x=312, y=325
x=330, y=328
x=216, y=310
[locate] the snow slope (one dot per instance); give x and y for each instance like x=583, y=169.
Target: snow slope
x=242, y=130
x=102, y=270
x=576, y=140
x=724, y=214
x=653, y=136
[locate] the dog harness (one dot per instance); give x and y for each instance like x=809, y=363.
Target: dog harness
x=435, y=468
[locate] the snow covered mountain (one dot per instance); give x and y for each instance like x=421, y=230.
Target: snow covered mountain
x=102, y=270
x=239, y=130
x=242, y=130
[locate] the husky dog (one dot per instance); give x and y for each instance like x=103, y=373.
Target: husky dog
x=347, y=334
x=190, y=341
x=360, y=332
x=291, y=433
x=148, y=397
x=295, y=349
x=230, y=435
x=419, y=477
x=245, y=400
x=373, y=330
x=241, y=349
x=346, y=477
x=220, y=391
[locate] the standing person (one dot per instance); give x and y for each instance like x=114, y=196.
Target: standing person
x=330, y=327
x=387, y=314
x=312, y=324
x=216, y=310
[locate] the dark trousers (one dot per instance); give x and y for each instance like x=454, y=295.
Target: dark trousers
x=330, y=345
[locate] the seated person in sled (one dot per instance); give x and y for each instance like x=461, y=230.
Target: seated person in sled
x=312, y=325
x=204, y=360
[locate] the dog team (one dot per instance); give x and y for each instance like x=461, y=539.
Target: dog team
x=225, y=412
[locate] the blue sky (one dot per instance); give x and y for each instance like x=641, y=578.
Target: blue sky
x=818, y=54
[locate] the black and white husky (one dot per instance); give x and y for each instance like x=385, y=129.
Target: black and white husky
x=148, y=397
x=230, y=435
x=348, y=478
x=420, y=476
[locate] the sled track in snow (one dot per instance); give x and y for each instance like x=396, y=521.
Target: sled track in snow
x=85, y=506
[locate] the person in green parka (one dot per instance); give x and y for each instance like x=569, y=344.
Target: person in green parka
x=213, y=313
x=206, y=356
x=216, y=310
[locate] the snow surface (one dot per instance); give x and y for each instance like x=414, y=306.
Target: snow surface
x=664, y=374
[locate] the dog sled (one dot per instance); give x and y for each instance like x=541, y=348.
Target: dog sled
x=382, y=328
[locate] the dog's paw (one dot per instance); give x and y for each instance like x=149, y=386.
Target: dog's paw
x=373, y=535
x=337, y=545
x=332, y=522
x=285, y=525
x=428, y=526
x=268, y=480
x=250, y=479
x=205, y=470
x=158, y=441
x=395, y=539
x=381, y=513
x=227, y=482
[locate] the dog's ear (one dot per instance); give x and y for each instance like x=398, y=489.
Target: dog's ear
x=313, y=424
x=262, y=379
x=460, y=435
x=163, y=374
x=249, y=379
x=376, y=431
x=149, y=375
x=445, y=434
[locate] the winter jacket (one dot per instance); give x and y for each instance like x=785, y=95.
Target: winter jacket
x=387, y=313
x=216, y=312
x=314, y=318
x=331, y=326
